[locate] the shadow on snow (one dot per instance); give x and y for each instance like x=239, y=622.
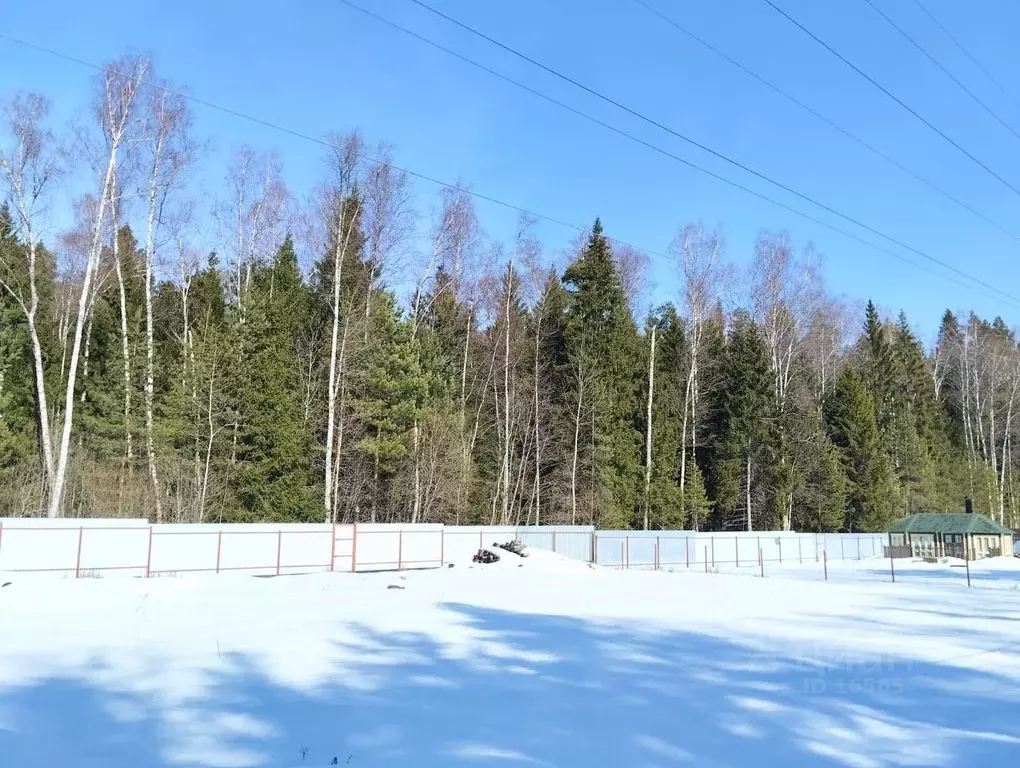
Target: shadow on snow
x=542, y=690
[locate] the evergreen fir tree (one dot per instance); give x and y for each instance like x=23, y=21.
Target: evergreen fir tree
x=390, y=391
x=853, y=428
x=602, y=343
x=744, y=427
x=275, y=477
x=667, y=506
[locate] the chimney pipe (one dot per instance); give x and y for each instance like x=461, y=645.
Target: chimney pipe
x=969, y=505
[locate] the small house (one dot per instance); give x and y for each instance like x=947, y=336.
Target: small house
x=949, y=534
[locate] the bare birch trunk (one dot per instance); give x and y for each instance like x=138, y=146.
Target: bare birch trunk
x=124, y=344
x=506, y=397
x=29, y=170
x=83, y=302
x=87, y=354
x=577, y=440
x=648, y=430
x=538, y=440
x=465, y=449
x=119, y=95
x=208, y=446
x=340, y=250
x=750, y=525
x=150, y=247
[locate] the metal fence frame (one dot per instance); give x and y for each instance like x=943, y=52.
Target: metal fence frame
x=656, y=550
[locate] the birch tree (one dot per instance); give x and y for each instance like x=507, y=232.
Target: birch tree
x=389, y=217
x=341, y=207
x=784, y=293
x=170, y=152
x=119, y=86
x=253, y=215
x=30, y=169
x=698, y=257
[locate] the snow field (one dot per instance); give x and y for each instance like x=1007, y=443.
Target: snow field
x=551, y=663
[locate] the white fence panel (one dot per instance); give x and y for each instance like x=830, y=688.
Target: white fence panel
x=136, y=548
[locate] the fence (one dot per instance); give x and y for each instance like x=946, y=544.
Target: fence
x=91, y=547
x=691, y=549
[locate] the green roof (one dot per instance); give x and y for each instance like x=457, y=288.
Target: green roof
x=949, y=522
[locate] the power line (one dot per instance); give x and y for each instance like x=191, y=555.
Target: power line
x=810, y=110
x=888, y=93
x=938, y=64
x=307, y=137
x=1002, y=295
x=669, y=130
x=967, y=53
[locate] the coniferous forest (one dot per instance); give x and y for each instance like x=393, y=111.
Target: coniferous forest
x=359, y=352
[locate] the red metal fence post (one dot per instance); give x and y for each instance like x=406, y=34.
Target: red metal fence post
x=219, y=549
x=279, y=549
x=354, y=548
x=77, y=562
x=148, y=557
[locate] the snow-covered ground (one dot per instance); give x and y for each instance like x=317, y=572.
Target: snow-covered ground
x=552, y=663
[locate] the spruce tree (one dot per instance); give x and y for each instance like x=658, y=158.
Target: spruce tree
x=17, y=425
x=602, y=343
x=275, y=477
x=666, y=504
x=853, y=429
x=823, y=501
x=389, y=392
x=744, y=428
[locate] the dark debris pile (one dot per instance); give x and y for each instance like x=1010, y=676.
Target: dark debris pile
x=486, y=557
x=515, y=546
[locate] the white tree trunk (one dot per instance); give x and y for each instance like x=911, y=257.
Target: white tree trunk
x=538, y=420
x=648, y=429
x=750, y=525
x=506, y=399
x=83, y=304
x=45, y=435
x=577, y=441
x=125, y=347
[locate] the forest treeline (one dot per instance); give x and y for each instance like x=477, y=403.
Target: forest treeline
x=283, y=377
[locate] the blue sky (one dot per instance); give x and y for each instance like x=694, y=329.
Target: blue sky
x=318, y=66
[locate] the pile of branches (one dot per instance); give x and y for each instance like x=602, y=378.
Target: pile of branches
x=485, y=557
x=515, y=546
